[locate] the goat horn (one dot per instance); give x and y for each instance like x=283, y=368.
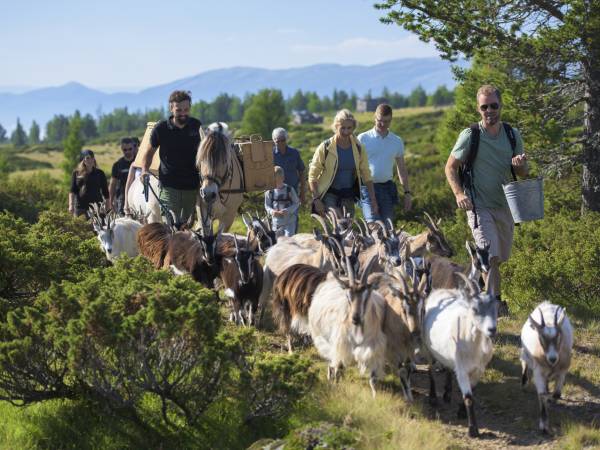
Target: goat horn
x=431, y=222
x=383, y=227
x=414, y=274
x=320, y=219
x=350, y=271
x=556, y=316
x=367, y=270
x=468, y=284
x=235, y=244
x=391, y=224
x=332, y=216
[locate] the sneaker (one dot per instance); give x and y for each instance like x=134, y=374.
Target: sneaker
x=502, y=307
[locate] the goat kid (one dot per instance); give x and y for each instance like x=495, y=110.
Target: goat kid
x=430, y=241
x=351, y=330
x=546, y=346
x=457, y=329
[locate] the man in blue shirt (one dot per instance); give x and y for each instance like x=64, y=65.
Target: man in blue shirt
x=384, y=149
x=288, y=158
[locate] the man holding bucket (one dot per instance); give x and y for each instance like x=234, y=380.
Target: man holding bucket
x=500, y=148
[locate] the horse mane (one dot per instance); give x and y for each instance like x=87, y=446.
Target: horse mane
x=213, y=155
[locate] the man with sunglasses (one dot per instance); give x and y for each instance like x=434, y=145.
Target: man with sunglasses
x=488, y=214
x=120, y=171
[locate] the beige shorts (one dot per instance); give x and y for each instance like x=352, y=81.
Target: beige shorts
x=496, y=228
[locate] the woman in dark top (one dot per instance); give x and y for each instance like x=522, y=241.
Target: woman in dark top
x=88, y=184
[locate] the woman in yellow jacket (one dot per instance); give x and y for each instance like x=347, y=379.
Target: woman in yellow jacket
x=338, y=168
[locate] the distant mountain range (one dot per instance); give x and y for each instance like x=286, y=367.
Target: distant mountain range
x=401, y=76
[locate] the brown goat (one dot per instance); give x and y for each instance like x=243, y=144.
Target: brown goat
x=153, y=242
x=292, y=294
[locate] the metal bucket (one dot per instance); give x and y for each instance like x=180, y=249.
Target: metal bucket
x=525, y=199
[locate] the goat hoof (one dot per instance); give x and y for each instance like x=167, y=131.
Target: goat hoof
x=473, y=432
x=447, y=397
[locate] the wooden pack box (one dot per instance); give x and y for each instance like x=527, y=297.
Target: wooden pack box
x=257, y=159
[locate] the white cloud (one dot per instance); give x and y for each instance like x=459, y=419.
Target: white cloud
x=368, y=51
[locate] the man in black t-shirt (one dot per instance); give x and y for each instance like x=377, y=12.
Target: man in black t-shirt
x=120, y=170
x=178, y=138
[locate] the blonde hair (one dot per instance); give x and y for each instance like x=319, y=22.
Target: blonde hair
x=342, y=114
x=279, y=171
x=488, y=89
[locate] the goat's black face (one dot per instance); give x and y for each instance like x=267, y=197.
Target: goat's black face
x=483, y=258
x=245, y=262
x=392, y=250
x=358, y=302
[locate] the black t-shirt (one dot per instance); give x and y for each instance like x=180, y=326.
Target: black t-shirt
x=120, y=171
x=95, y=188
x=178, y=148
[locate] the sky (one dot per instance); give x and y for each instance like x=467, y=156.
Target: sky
x=134, y=44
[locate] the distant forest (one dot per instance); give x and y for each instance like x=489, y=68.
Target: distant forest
x=227, y=108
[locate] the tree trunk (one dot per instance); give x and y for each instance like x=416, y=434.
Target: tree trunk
x=591, y=133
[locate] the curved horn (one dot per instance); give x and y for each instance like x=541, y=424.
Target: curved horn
x=414, y=274
x=383, y=227
x=235, y=243
x=431, y=222
x=468, y=284
x=339, y=247
x=350, y=271
x=367, y=270
x=247, y=220
x=333, y=218
x=363, y=227
x=320, y=219
x=391, y=224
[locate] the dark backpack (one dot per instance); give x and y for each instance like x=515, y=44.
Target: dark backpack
x=288, y=196
x=465, y=171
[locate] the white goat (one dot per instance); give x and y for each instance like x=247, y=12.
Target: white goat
x=117, y=236
x=547, y=342
x=457, y=330
x=346, y=324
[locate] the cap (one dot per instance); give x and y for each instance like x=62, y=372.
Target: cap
x=84, y=153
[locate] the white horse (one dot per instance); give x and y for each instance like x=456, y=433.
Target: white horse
x=221, y=178
x=136, y=199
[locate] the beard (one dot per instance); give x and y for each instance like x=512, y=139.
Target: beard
x=491, y=120
x=181, y=120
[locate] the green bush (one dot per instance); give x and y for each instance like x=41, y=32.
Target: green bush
x=27, y=197
x=556, y=259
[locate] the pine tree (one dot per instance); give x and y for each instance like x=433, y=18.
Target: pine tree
x=72, y=146
x=2, y=134
x=266, y=112
x=19, y=137
x=34, y=133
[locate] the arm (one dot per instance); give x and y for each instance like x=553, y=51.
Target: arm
x=365, y=175
x=130, y=178
x=72, y=203
x=147, y=160
x=103, y=185
x=403, y=177
x=519, y=162
x=371, y=189
x=269, y=203
x=112, y=188
x=451, y=171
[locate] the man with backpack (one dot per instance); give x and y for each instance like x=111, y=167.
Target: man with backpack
x=483, y=158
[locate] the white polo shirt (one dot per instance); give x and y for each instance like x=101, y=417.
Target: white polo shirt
x=382, y=152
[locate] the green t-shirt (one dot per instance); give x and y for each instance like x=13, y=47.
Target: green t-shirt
x=491, y=168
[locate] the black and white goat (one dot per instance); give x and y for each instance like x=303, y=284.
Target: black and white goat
x=546, y=346
x=443, y=270
x=242, y=277
x=117, y=236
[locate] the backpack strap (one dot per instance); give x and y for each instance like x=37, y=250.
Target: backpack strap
x=328, y=143
x=513, y=143
x=474, y=145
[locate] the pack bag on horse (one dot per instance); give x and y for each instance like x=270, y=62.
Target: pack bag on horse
x=229, y=169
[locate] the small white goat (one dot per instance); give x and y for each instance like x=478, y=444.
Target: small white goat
x=547, y=342
x=346, y=324
x=117, y=236
x=457, y=330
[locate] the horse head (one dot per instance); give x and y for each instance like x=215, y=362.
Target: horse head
x=214, y=161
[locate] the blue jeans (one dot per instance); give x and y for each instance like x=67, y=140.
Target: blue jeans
x=387, y=198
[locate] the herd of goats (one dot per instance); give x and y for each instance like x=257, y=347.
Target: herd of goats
x=365, y=293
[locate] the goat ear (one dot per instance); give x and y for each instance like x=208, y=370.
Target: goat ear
x=471, y=250
x=560, y=316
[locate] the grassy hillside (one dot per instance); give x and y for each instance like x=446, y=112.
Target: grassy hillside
x=557, y=258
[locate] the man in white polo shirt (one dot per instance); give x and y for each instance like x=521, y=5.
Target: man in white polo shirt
x=383, y=149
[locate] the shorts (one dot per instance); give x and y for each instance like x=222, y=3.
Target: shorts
x=496, y=228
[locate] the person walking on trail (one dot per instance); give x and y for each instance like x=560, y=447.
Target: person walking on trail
x=288, y=158
x=339, y=168
x=119, y=174
x=88, y=184
x=282, y=205
x=178, y=138
x=384, y=149
x=498, y=153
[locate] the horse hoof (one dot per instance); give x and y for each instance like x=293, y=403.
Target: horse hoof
x=473, y=432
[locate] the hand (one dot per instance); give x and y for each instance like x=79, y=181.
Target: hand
x=277, y=213
x=519, y=160
x=407, y=202
x=464, y=202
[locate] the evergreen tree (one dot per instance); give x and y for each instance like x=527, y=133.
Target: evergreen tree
x=236, y=110
x=266, y=112
x=57, y=129
x=72, y=146
x=418, y=97
x=314, y=102
x=3, y=137
x=441, y=96
x=34, y=133
x=89, y=129
x=18, y=136
x=298, y=101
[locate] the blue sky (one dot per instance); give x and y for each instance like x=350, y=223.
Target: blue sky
x=140, y=43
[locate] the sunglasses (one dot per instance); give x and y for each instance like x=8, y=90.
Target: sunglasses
x=493, y=106
x=128, y=149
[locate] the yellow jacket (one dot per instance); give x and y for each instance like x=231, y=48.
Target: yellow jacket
x=323, y=169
